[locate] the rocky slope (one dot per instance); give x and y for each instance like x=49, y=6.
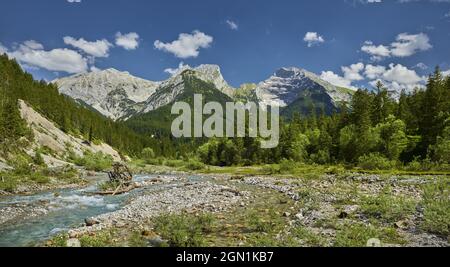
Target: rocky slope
x=46, y=134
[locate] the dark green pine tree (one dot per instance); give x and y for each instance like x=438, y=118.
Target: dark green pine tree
x=431, y=117
x=361, y=112
x=382, y=105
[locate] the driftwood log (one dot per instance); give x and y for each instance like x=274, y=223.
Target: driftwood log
x=123, y=177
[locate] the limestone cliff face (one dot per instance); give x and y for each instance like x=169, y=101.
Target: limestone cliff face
x=119, y=95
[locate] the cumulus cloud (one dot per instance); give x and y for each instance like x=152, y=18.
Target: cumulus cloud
x=378, y=52
x=405, y=45
x=313, y=38
x=395, y=77
x=32, y=54
x=409, y=44
x=232, y=25
x=373, y=72
x=129, y=41
x=99, y=48
x=352, y=72
x=446, y=73
x=74, y=1
x=181, y=67
x=335, y=79
x=187, y=45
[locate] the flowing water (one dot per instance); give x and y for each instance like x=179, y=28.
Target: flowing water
x=67, y=208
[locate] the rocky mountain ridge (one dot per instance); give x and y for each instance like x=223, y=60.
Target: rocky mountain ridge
x=119, y=95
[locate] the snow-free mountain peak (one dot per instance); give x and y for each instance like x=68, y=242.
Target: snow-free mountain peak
x=292, y=85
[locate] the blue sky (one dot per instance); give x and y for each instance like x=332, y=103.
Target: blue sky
x=348, y=42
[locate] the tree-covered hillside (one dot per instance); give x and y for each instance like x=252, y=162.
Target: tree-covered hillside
x=374, y=132
x=69, y=116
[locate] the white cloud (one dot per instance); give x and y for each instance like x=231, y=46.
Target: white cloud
x=396, y=78
x=99, y=48
x=352, y=72
x=74, y=1
x=187, y=45
x=377, y=52
x=129, y=41
x=335, y=79
x=233, y=25
x=373, y=72
x=32, y=44
x=446, y=73
x=421, y=66
x=313, y=38
x=405, y=45
x=32, y=54
x=401, y=74
x=181, y=67
x=409, y=44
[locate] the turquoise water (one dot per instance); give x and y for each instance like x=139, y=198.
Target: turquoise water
x=68, y=209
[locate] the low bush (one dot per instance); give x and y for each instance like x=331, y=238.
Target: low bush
x=94, y=162
x=184, y=230
x=195, y=165
x=358, y=235
x=387, y=207
x=375, y=161
x=436, y=205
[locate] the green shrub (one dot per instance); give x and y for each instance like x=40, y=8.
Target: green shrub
x=21, y=164
x=271, y=169
x=174, y=163
x=195, y=165
x=136, y=240
x=39, y=178
x=94, y=162
x=38, y=159
x=357, y=235
x=147, y=154
x=375, y=161
x=184, y=230
x=157, y=161
x=436, y=204
x=264, y=223
x=59, y=241
x=308, y=237
x=8, y=182
x=102, y=239
x=287, y=166
x=387, y=207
